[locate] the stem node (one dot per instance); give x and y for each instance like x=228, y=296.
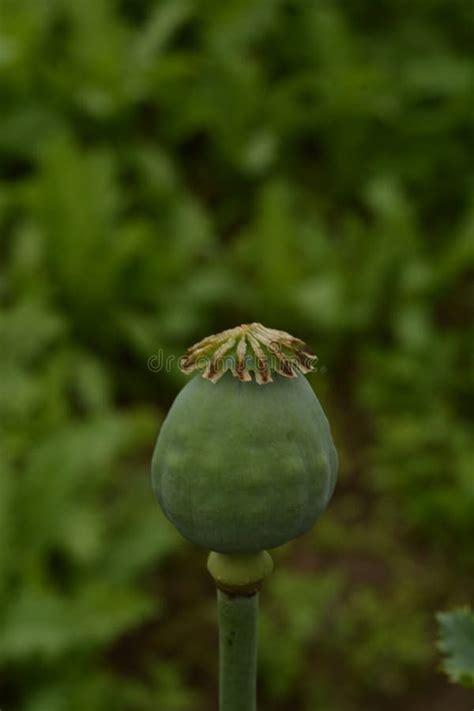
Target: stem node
x=239, y=574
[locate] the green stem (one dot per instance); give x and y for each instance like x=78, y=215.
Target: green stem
x=237, y=651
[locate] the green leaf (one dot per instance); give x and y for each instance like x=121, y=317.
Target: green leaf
x=457, y=644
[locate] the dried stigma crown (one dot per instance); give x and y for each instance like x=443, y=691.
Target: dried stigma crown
x=246, y=348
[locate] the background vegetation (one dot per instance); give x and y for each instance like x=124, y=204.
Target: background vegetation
x=171, y=168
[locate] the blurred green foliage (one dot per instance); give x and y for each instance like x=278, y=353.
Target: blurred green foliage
x=171, y=168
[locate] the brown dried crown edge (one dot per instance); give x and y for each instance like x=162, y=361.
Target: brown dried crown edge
x=268, y=349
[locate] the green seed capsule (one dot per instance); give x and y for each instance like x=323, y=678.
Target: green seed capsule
x=239, y=466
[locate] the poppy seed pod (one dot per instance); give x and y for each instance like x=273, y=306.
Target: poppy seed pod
x=245, y=459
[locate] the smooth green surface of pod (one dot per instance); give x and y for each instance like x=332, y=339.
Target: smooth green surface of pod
x=240, y=467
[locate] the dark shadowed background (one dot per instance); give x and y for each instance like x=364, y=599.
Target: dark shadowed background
x=173, y=168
